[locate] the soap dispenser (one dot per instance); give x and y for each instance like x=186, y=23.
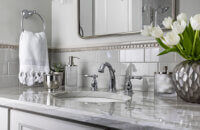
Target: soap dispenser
x=71, y=74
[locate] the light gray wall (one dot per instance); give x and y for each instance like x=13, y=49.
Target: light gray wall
x=190, y=7
x=65, y=29
x=10, y=17
x=64, y=22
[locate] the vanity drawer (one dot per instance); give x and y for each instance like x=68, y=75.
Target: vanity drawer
x=27, y=121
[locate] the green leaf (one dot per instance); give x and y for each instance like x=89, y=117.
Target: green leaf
x=162, y=44
x=190, y=32
x=167, y=51
x=196, y=38
x=182, y=54
x=187, y=43
x=197, y=47
x=58, y=67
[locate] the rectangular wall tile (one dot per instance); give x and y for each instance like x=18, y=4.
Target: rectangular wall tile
x=133, y=55
x=84, y=82
x=151, y=55
x=170, y=66
x=85, y=56
x=167, y=58
x=87, y=68
x=111, y=56
x=9, y=81
x=142, y=69
x=13, y=55
x=145, y=85
x=3, y=68
x=58, y=58
x=120, y=80
x=13, y=68
x=8, y=55
x=103, y=81
x=4, y=55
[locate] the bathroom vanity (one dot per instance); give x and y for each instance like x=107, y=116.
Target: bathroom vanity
x=35, y=109
x=4, y=118
x=96, y=31
x=26, y=120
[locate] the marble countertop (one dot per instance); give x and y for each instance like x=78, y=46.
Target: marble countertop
x=144, y=111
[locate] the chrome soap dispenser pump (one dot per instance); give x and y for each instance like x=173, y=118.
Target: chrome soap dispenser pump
x=71, y=74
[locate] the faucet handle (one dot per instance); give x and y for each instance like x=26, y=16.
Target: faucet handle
x=135, y=77
x=94, y=76
x=94, y=84
x=128, y=84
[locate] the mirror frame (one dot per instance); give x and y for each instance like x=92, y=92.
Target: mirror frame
x=122, y=33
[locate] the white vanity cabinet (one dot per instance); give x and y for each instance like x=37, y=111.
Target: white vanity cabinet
x=27, y=121
x=3, y=118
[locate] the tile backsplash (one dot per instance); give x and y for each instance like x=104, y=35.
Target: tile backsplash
x=9, y=69
x=139, y=62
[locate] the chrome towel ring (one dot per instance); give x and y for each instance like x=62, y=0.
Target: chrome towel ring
x=28, y=13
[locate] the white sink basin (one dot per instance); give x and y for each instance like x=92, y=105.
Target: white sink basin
x=90, y=96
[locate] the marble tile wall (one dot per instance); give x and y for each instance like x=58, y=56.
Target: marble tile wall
x=140, y=62
x=9, y=63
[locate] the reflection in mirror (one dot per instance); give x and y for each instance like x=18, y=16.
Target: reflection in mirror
x=108, y=17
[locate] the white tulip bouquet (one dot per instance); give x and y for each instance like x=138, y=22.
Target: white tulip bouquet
x=183, y=37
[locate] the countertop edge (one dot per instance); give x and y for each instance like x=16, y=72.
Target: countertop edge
x=101, y=120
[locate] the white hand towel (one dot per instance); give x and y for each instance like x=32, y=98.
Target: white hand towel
x=33, y=58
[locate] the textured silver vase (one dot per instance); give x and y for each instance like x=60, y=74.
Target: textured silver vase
x=186, y=77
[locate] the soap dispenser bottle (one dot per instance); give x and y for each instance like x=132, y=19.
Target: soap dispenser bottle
x=71, y=74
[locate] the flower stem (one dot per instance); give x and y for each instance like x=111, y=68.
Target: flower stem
x=182, y=36
x=181, y=51
x=194, y=43
x=178, y=45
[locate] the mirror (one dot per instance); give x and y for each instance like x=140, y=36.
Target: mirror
x=119, y=17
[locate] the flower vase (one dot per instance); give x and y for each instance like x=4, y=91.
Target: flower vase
x=186, y=77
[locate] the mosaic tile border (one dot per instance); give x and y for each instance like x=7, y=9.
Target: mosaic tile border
x=121, y=45
x=8, y=46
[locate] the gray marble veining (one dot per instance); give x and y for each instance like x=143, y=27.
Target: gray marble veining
x=144, y=111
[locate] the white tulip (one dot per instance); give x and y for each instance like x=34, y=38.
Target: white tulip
x=147, y=30
x=157, y=32
x=182, y=17
x=179, y=27
x=167, y=22
x=172, y=38
x=195, y=22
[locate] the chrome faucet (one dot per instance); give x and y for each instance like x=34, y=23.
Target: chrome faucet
x=112, y=87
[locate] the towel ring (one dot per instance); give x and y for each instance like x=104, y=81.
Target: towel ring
x=28, y=13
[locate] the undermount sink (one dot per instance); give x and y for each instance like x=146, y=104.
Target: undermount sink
x=91, y=96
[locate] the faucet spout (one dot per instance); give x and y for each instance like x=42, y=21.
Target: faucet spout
x=112, y=86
